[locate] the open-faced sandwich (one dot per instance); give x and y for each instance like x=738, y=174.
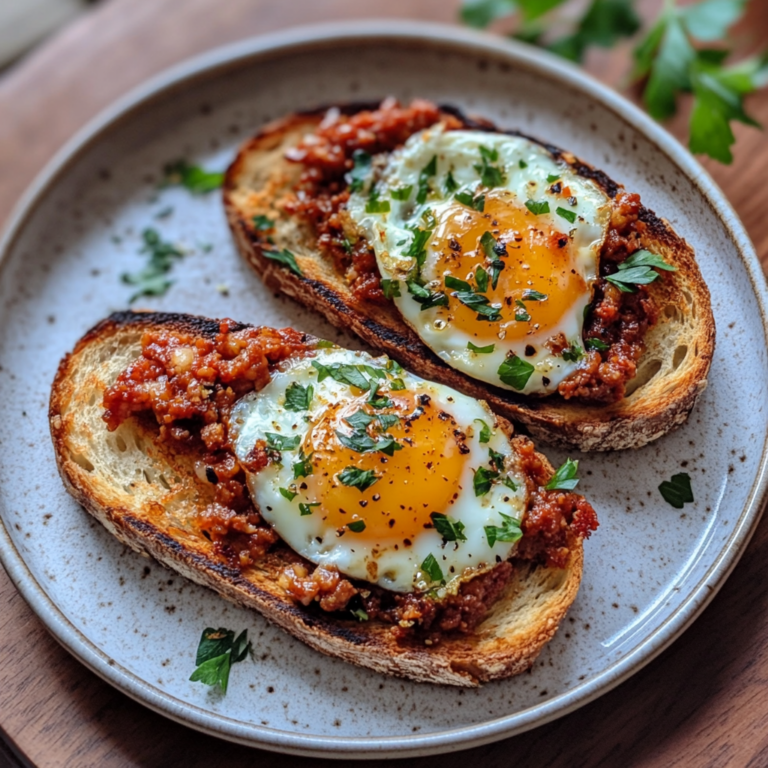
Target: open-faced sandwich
x=381, y=518
x=485, y=260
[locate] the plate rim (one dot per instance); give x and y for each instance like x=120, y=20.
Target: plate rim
x=298, y=40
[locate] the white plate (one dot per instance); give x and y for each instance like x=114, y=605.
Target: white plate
x=650, y=569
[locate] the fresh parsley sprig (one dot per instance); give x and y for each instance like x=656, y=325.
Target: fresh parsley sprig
x=509, y=531
x=192, y=177
x=684, y=50
x=152, y=280
x=217, y=651
x=639, y=269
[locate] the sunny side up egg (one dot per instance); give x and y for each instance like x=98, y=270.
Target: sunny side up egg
x=489, y=247
x=390, y=478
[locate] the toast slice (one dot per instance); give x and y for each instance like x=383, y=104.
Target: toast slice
x=147, y=492
x=671, y=373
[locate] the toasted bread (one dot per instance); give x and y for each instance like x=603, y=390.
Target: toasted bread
x=671, y=374
x=147, y=493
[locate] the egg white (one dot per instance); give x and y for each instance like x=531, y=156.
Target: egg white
x=398, y=570
x=526, y=166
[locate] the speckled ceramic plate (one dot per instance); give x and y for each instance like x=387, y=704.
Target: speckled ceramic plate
x=650, y=569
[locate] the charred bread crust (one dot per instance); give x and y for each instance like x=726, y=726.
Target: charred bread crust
x=259, y=176
x=104, y=472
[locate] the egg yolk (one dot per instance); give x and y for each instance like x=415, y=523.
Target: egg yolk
x=537, y=259
x=421, y=478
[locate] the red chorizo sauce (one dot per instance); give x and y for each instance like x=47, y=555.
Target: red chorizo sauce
x=618, y=319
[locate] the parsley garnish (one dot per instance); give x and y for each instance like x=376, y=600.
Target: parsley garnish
x=521, y=313
x=278, y=442
x=638, y=269
x=359, y=614
x=358, y=478
x=427, y=299
x=263, y=223
x=362, y=164
x=197, y=180
x=390, y=288
x=490, y=175
x=217, y=651
x=515, y=372
x=357, y=526
x=509, y=531
x=565, y=478
x=286, y=258
x=303, y=467
x=597, y=344
x=481, y=278
x=537, y=208
x=677, y=491
x=466, y=198
x=456, y=284
x=324, y=344
x=485, y=432
x=480, y=350
x=374, y=205
x=450, y=184
x=401, y=193
x=574, y=353
x=566, y=214
x=448, y=528
x=553, y=177
x=429, y=170
x=396, y=385
x=431, y=568
x=151, y=280
x=361, y=442
x=522, y=164
x=343, y=373
x=306, y=509
x=530, y=295
x=298, y=398
x=288, y=494
x=483, y=480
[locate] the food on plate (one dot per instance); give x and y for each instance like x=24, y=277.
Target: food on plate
x=485, y=260
x=381, y=518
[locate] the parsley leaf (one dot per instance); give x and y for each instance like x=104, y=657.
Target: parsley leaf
x=481, y=278
x=401, y=193
x=306, y=509
x=343, y=373
x=537, y=208
x=597, y=344
x=483, y=480
x=390, y=288
x=151, y=280
x=480, y=350
x=362, y=165
x=450, y=184
x=480, y=304
x=638, y=269
x=490, y=175
x=531, y=295
x=569, y=216
x=263, y=223
x=426, y=298
x=359, y=614
x=431, y=568
x=362, y=442
x=197, y=180
x=288, y=494
x=429, y=170
x=374, y=205
x=455, y=284
x=485, y=432
x=278, y=442
x=361, y=479
x=564, y=478
x=468, y=199
x=574, y=353
x=448, y=528
x=509, y=531
x=298, y=398
x=217, y=651
x=303, y=467
x=286, y=258
x=521, y=313
x=515, y=372
x=356, y=526
x=677, y=491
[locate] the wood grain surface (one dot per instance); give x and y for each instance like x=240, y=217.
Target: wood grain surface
x=704, y=702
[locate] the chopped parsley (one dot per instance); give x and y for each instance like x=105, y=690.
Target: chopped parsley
x=343, y=373
x=480, y=350
x=278, y=442
x=374, y=205
x=566, y=214
x=485, y=432
x=427, y=299
x=427, y=172
x=521, y=312
x=361, y=479
x=537, y=208
x=397, y=384
x=490, y=175
x=390, y=288
x=298, y=398
x=483, y=480
x=522, y=164
x=360, y=169
x=263, y=223
x=515, y=372
x=357, y=526
x=481, y=278
x=286, y=258
x=552, y=178
x=466, y=198
x=638, y=269
x=359, y=614
x=565, y=478
x=509, y=531
x=306, y=509
x=456, y=284
x=303, y=467
x=431, y=568
x=530, y=295
x=677, y=491
x=217, y=651
x=151, y=281
x=448, y=528
x=288, y=494
x=574, y=353
x=401, y=193
x=197, y=180
x=597, y=344
x=450, y=185
x=361, y=442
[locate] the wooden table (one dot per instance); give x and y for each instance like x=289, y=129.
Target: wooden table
x=702, y=703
